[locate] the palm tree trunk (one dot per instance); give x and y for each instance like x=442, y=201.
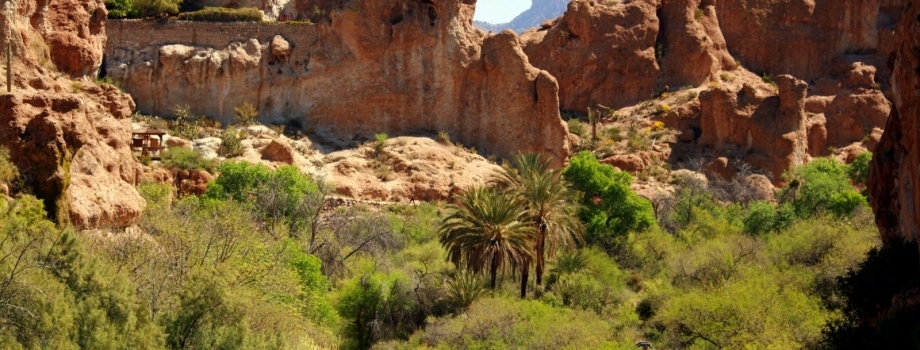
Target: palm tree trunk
x=493, y=270
x=525, y=274
x=541, y=245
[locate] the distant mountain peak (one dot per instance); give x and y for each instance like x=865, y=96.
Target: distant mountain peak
x=539, y=11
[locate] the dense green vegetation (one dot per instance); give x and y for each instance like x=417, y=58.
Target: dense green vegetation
x=221, y=14
x=141, y=8
x=256, y=262
x=191, y=10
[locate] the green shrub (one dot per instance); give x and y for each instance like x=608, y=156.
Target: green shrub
x=148, y=8
x=464, y=289
x=444, y=137
x=240, y=180
x=49, y=277
x=185, y=123
x=576, y=127
x=610, y=209
x=380, y=142
x=698, y=14
x=222, y=14
x=8, y=170
x=231, y=144
x=121, y=9
x=246, y=114
x=812, y=186
x=638, y=141
x=757, y=312
x=182, y=158
x=764, y=217
x=859, y=169
x=845, y=203
x=500, y=323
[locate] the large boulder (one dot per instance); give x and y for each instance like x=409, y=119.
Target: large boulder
x=279, y=150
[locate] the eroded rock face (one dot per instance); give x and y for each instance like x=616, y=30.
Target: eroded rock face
x=692, y=48
x=378, y=66
x=73, y=30
x=768, y=129
x=69, y=138
x=600, y=54
x=806, y=38
x=895, y=168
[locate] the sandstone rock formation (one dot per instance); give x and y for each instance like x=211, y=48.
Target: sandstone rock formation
x=894, y=191
x=378, y=66
x=769, y=130
x=807, y=39
x=599, y=54
x=691, y=47
x=773, y=128
x=74, y=31
x=69, y=138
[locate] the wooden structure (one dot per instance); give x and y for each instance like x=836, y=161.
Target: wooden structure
x=148, y=142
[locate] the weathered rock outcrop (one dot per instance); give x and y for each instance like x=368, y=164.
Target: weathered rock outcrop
x=69, y=138
x=769, y=130
x=894, y=191
x=400, y=67
x=806, y=38
x=599, y=54
x=691, y=47
x=74, y=31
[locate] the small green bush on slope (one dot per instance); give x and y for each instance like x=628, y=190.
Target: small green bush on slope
x=141, y=8
x=222, y=14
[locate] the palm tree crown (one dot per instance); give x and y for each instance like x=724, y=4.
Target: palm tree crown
x=490, y=229
x=550, y=202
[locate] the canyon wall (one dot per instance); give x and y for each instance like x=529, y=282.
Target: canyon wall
x=808, y=39
x=894, y=176
x=420, y=66
x=398, y=67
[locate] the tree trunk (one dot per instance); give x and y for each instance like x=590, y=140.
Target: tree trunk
x=525, y=274
x=541, y=245
x=493, y=270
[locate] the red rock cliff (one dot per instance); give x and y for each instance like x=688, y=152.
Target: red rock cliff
x=68, y=136
x=376, y=66
x=894, y=177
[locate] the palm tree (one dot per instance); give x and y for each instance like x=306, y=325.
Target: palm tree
x=550, y=204
x=488, y=230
